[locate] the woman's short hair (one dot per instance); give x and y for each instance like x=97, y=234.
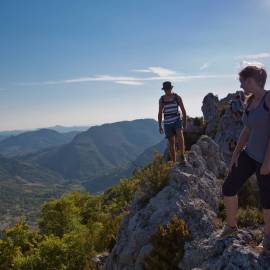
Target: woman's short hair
x=257, y=73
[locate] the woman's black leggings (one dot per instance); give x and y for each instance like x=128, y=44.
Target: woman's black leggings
x=238, y=176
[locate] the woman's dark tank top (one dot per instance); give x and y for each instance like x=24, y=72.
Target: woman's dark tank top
x=258, y=121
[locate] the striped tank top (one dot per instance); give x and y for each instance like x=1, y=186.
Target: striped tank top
x=170, y=110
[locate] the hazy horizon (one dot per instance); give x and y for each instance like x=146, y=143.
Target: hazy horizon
x=74, y=126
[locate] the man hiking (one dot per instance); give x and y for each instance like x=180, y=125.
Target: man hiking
x=173, y=124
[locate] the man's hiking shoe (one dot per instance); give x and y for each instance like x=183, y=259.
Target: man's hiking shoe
x=182, y=160
x=264, y=246
x=228, y=231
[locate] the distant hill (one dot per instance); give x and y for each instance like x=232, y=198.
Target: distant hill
x=63, y=129
x=100, y=149
x=24, y=187
x=58, y=128
x=88, y=161
x=32, y=141
x=147, y=155
x=28, y=173
x=7, y=133
x=2, y=137
x=103, y=182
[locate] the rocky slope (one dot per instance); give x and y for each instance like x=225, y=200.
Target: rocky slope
x=193, y=194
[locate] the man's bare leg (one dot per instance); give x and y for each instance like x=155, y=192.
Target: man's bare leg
x=172, y=148
x=181, y=141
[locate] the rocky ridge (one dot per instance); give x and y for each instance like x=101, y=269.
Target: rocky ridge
x=193, y=194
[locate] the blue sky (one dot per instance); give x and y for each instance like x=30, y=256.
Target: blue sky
x=89, y=62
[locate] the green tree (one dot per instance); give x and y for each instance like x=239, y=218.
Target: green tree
x=59, y=216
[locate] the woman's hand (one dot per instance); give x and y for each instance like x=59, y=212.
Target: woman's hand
x=234, y=160
x=161, y=131
x=265, y=169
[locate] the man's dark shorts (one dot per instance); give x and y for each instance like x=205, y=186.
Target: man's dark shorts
x=247, y=166
x=170, y=129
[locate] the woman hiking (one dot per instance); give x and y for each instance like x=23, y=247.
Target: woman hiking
x=252, y=152
x=173, y=123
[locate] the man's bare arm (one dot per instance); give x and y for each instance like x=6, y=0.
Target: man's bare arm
x=181, y=105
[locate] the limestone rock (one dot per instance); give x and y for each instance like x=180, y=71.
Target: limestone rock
x=227, y=134
x=210, y=113
x=186, y=195
x=229, y=254
x=222, y=125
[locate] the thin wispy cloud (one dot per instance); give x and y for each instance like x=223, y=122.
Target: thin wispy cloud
x=252, y=60
x=245, y=63
x=205, y=66
x=142, y=70
x=129, y=82
x=160, y=74
x=159, y=71
x=97, y=78
x=181, y=78
x=256, y=56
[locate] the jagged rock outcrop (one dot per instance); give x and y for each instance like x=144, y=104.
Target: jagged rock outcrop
x=210, y=113
x=227, y=135
x=193, y=194
x=222, y=125
x=186, y=195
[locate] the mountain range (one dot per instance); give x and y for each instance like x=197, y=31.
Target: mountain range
x=42, y=164
x=32, y=141
x=99, y=150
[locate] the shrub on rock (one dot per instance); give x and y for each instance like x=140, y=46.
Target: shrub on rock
x=168, y=245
